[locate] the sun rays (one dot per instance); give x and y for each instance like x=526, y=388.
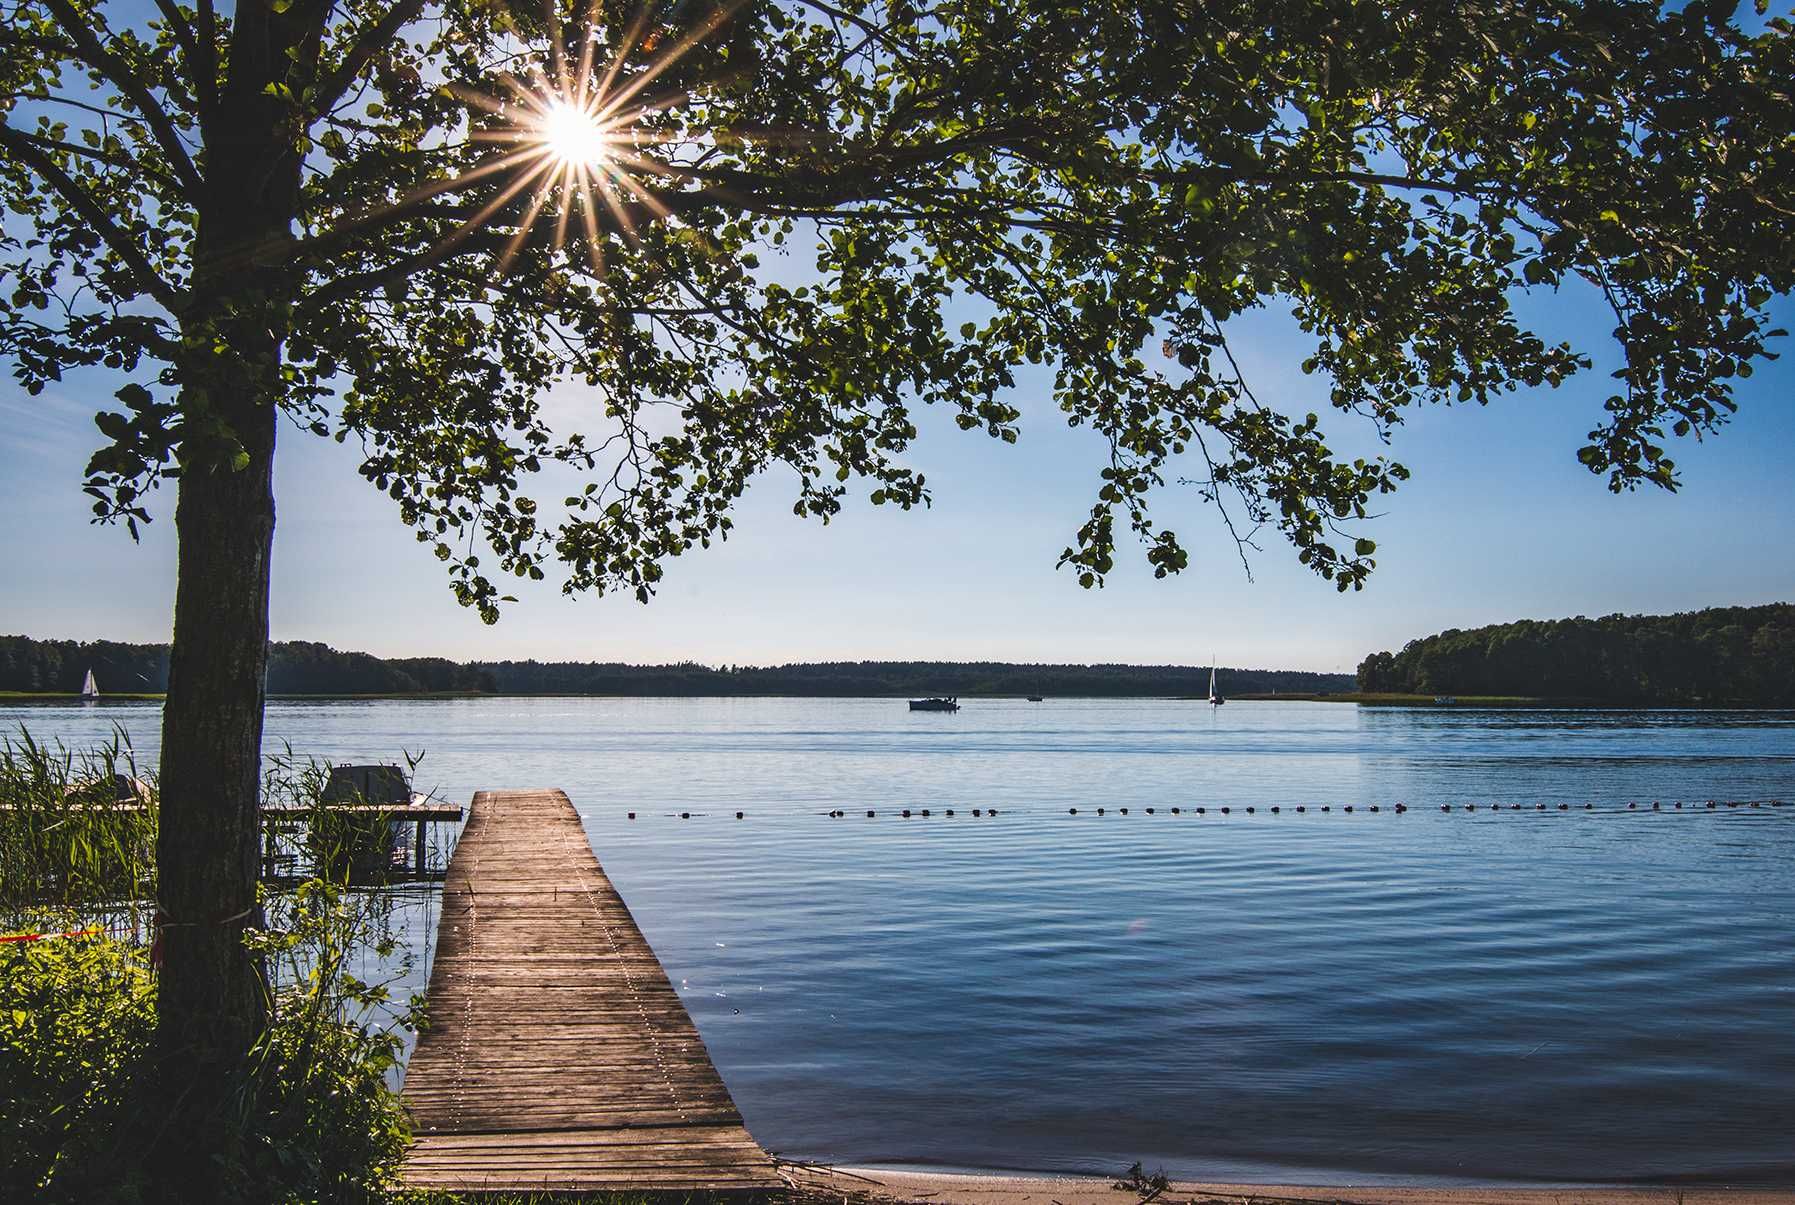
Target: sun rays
x=576, y=135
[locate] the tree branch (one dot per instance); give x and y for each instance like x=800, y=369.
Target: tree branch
x=370, y=43
x=120, y=74
x=21, y=145
x=205, y=88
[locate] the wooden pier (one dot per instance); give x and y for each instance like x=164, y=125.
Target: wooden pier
x=557, y=1055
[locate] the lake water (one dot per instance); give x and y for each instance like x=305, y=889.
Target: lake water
x=1576, y=996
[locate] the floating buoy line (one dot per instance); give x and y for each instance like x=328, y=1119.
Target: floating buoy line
x=1204, y=810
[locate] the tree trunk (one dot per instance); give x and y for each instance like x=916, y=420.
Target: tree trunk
x=211, y=997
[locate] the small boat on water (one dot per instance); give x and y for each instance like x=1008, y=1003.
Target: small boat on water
x=952, y=704
x=1215, y=700
x=1036, y=698
x=90, y=690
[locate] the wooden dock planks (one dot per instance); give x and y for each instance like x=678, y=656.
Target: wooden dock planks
x=558, y=1056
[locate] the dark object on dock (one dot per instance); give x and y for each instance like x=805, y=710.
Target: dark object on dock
x=935, y=704
x=558, y=1056
x=1036, y=698
x=354, y=832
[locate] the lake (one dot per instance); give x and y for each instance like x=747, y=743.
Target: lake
x=1571, y=996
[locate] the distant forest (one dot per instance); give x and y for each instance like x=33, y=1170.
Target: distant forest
x=304, y=668
x=1724, y=655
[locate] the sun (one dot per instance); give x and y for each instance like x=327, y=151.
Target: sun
x=574, y=136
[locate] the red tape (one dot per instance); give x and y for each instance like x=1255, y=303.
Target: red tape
x=48, y=936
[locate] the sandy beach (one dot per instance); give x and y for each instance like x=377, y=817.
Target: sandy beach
x=944, y=1188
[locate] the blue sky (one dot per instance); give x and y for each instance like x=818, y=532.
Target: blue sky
x=1499, y=522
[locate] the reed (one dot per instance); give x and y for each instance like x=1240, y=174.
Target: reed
x=77, y=827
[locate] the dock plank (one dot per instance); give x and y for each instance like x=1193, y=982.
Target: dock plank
x=558, y=1057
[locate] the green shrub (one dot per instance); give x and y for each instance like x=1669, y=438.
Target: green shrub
x=78, y=1102
x=327, y=1127
x=76, y=1019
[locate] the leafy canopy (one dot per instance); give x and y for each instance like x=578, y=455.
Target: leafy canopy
x=1103, y=185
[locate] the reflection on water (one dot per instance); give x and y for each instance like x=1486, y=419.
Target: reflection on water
x=1568, y=996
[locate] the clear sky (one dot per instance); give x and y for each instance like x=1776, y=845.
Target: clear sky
x=1500, y=522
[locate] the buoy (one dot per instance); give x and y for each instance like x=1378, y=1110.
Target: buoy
x=1202, y=811
x=1374, y=807
x=1124, y=811
x=1754, y=803
x=1402, y=807
x=1445, y=807
x=738, y=815
x=1249, y=811
x=1678, y=805
x=977, y=812
x=869, y=813
x=1655, y=805
x=1175, y=811
x=1514, y=807
x=1100, y=811
x=685, y=815
x=1470, y=807
x=992, y=812
x=1326, y=808
x=925, y=811
x=632, y=815
x=950, y=811
x=906, y=813
x=1631, y=806
x=1589, y=807
x=1149, y=811
x=1301, y=808
x=1539, y=807
x=1710, y=805
x=1347, y=808
x=1225, y=811
x=1274, y=809
x=1564, y=807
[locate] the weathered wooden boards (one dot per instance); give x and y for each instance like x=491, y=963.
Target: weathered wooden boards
x=558, y=1056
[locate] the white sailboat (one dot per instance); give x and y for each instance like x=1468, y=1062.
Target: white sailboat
x=90, y=690
x=1215, y=700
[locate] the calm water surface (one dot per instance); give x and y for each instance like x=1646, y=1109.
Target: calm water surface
x=1581, y=996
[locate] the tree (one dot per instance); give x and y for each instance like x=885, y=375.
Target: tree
x=401, y=221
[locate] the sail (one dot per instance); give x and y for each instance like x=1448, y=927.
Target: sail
x=1212, y=681
x=89, y=688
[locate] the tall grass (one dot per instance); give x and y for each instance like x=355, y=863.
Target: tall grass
x=77, y=828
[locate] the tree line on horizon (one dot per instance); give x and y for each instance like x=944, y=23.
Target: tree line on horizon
x=311, y=668
x=1722, y=655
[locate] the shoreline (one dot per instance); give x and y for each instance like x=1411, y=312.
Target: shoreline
x=969, y=1188
x=1358, y=698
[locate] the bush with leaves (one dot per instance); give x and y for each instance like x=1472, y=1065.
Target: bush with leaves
x=76, y=1018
